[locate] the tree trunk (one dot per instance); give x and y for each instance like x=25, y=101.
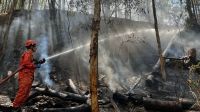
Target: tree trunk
x=29, y=19
x=194, y=11
x=22, y=4
x=116, y=9
x=189, y=8
x=162, y=105
x=55, y=25
x=162, y=64
x=94, y=56
x=106, y=8
x=126, y=9
x=192, y=21
x=6, y=6
x=4, y=34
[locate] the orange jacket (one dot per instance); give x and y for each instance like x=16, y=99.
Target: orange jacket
x=27, y=62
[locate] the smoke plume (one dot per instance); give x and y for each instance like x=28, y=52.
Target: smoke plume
x=45, y=68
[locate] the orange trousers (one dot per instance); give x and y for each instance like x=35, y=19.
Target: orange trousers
x=25, y=81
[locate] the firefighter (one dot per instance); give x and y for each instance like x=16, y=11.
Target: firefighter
x=26, y=75
x=190, y=59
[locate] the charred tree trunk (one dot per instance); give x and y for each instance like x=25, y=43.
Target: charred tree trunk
x=162, y=64
x=65, y=96
x=94, y=56
x=161, y=105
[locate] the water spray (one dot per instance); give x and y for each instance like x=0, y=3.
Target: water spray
x=67, y=51
x=45, y=69
x=102, y=40
x=85, y=45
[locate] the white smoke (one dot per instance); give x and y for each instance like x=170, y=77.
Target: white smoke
x=126, y=58
x=182, y=42
x=45, y=68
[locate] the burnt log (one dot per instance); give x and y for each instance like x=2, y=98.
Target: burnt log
x=125, y=99
x=176, y=105
x=62, y=95
x=80, y=108
x=163, y=105
x=185, y=102
x=120, y=98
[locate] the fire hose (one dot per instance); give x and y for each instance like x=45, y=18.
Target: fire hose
x=8, y=77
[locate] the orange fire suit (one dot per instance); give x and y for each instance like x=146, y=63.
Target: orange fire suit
x=25, y=78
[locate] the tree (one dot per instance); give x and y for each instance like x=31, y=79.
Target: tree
x=162, y=68
x=4, y=34
x=192, y=7
x=94, y=56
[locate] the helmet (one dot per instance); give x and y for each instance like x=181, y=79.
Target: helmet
x=30, y=42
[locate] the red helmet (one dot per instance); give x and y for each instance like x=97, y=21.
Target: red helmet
x=30, y=42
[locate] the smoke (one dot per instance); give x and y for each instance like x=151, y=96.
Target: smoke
x=182, y=42
x=120, y=58
x=106, y=68
x=45, y=68
x=124, y=59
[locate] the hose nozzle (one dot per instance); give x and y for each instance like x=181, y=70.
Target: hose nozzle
x=42, y=61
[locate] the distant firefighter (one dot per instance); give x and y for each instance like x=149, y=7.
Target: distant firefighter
x=187, y=61
x=190, y=59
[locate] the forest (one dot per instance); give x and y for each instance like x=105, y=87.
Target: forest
x=99, y=56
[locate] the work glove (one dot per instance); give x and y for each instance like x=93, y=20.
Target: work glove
x=42, y=61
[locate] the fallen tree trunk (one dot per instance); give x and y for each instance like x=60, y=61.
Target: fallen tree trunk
x=80, y=108
x=155, y=104
x=124, y=99
x=64, y=96
x=121, y=98
x=185, y=102
x=173, y=106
